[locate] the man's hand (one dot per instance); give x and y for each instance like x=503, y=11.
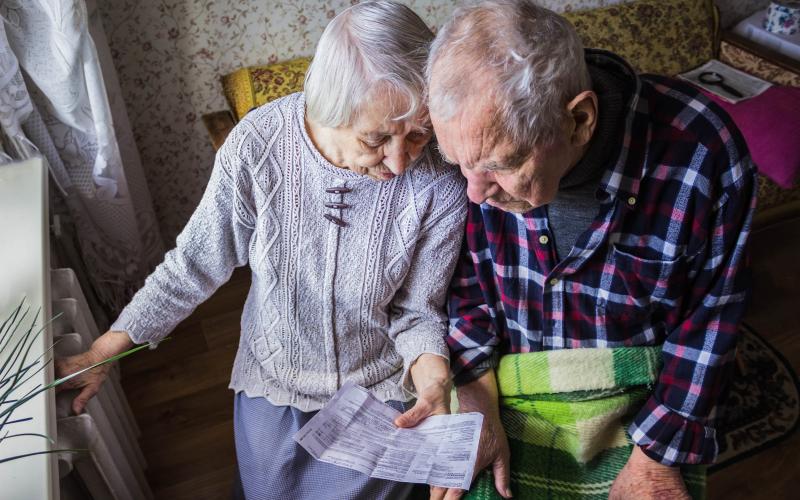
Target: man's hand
x=481, y=395
x=106, y=346
x=431, y=376
x=644, y=478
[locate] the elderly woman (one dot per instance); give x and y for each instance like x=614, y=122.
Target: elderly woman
x=351, y=226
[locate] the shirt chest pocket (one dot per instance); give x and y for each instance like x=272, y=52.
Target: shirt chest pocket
x=639, y=292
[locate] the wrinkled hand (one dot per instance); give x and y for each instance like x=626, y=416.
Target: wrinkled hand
x=106, y=346
x=431, y=376
x=89, y=382
x=434, y=399
x=644, y=478
x=493, y=452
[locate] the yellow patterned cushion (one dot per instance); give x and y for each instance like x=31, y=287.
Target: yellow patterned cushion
x=655, y=36
x=251, y=87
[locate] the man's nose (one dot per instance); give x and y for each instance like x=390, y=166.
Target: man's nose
x=478, y=187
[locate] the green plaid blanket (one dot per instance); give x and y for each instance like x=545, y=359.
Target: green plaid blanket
x=565, y=413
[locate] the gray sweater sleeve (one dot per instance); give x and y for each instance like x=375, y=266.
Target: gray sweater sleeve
x=213, y=243
x=419, y=320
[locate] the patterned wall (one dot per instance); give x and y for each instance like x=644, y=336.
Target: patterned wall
x=170, y=53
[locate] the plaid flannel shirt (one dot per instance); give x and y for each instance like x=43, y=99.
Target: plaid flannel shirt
x=662, y=263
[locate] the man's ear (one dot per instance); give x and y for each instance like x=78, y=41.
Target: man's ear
x=582, y=110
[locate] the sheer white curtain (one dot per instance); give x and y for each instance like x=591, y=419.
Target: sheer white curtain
x=60, y=98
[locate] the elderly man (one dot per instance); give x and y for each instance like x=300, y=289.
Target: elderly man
x=602, y=275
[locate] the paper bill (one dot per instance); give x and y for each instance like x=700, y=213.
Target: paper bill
x=357, y=431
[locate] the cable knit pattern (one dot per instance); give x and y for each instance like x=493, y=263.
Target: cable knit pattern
x=328, y=303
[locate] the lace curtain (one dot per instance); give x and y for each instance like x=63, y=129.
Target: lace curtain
x=60, y=99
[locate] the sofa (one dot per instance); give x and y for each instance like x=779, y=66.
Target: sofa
x=656, y=36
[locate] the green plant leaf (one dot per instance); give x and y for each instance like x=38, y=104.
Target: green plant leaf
x=65, y=450
x=9, y=322
x=17, y=349
x=71, y=376
x=9, y=436
x=16, y=370
x=19, y=420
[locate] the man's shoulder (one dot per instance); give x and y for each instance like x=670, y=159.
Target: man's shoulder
x=677, y=111
x=691, y=132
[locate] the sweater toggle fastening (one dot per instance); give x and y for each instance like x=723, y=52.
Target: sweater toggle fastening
x=336, y=205
x=335, y=220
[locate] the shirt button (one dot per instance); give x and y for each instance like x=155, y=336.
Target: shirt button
x=554, y=281
x=543, y=240
x=631, y=201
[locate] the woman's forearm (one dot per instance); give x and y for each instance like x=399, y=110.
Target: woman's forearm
x=111, y=343
x=430, y=369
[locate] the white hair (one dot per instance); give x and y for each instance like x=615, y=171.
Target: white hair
x=531, y=56
x=376, y=46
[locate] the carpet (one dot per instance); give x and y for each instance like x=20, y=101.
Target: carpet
x=763, y=406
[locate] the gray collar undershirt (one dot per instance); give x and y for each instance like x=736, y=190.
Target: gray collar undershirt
x=576, y=205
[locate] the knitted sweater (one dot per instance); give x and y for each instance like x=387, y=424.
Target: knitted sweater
x=356, y=300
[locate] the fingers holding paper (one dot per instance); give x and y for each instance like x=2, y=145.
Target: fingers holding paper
x=431, y=376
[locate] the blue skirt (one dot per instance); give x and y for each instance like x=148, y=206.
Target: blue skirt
x=273, y=465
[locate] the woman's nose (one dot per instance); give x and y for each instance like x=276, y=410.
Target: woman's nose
x=397, y=157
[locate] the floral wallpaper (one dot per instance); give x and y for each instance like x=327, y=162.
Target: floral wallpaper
x=169, y=55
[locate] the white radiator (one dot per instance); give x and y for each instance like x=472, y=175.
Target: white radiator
x=24, y=265
x=114, y=466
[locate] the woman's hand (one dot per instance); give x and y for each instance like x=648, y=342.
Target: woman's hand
x=431, y=376
x=107, y=345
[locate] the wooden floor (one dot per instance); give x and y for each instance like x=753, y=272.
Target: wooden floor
x=774, y=313
x=179, y=394
x=180, y=397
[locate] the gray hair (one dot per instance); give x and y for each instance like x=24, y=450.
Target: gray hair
x=533, y=56
x=372, y=46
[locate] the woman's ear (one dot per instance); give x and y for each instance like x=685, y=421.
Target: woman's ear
x=582, y=110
